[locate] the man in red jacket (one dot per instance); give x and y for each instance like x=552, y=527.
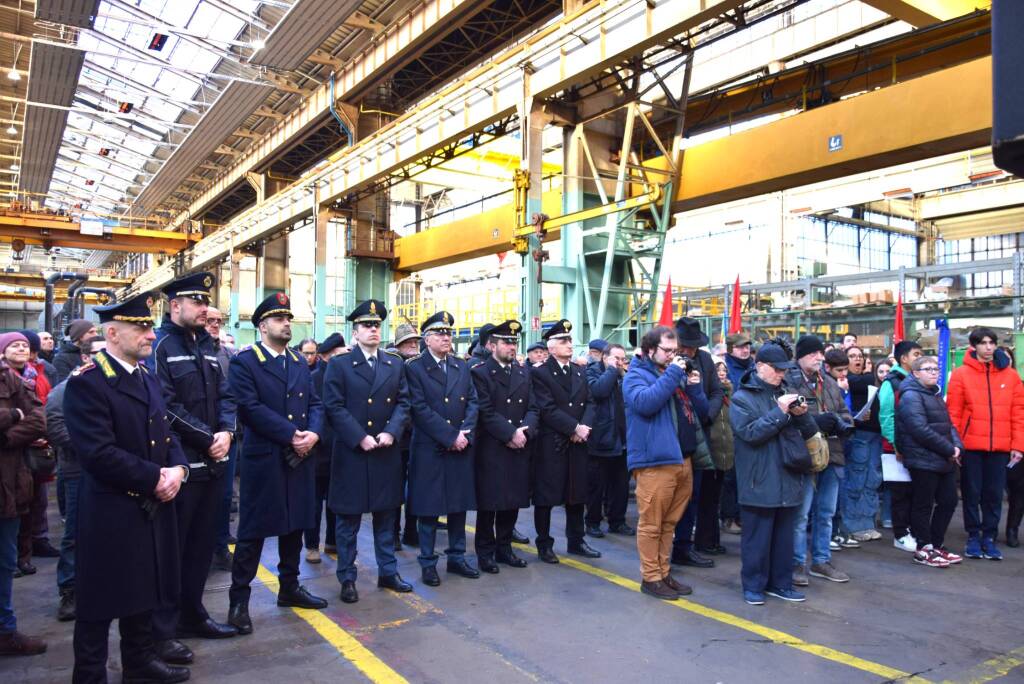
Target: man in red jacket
x=986, y=402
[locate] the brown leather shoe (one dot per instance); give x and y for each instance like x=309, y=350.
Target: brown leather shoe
x=677, y=586
x=659, y=590
x=18, y=644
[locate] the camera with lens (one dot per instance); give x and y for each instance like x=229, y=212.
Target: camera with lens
x=799, y=402
x=688, y=364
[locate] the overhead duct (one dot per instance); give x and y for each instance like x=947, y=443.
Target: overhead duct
x=232, y=107
x=52, y=79
x=303, y=28
x=80, y=13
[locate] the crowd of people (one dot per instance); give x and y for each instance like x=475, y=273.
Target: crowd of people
x=802, y=449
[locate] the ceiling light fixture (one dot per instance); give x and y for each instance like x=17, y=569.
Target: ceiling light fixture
x=14, y=75
x=15, y=167
x=258, y=44
x=12, y=130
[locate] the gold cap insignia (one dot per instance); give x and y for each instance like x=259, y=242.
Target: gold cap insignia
x=208, y=281
x=373, y=307
x=514, y=326
x=568, y=325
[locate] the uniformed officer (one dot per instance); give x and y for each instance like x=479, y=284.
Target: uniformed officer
x=441, y=480
x=560, y=457
x=367, y=405
x=127, y=555
x=332, y=345
x=407, y=344
x=508, y=420
x=202, y=413
x=283, y=417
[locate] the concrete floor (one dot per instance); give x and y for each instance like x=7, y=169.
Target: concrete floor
x=585, y=622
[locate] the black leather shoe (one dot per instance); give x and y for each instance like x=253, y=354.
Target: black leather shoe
x=430, y=577
x=547, y=554
x=25, y=568
x=692, y=559
x=66, y=609
x=348, y=592
x=716, y=550
x=623, y=529
x=207, y=629
x=519, y=538
x=298, y=597
x=238, y=617
x=594, y=531
x=510, y=559
x=394, y=583
x=44, y=549
x=489, y=565
x=463, y=568
x=584, y=549
x=156, y=671
x=174, y=652
x=1011, y=537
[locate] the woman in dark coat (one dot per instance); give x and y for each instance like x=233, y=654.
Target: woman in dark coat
x=21, y=423
x=929, y=446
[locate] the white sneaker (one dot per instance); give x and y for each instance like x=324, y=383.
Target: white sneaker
x=906, y=543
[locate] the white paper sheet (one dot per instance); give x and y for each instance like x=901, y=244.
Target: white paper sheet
x=893, y=470
x=862, y=414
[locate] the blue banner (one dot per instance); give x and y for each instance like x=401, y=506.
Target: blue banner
x=943, y=352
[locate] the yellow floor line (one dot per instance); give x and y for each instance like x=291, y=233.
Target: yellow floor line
x=375, y=669
x=773, y=635
x=994, y=668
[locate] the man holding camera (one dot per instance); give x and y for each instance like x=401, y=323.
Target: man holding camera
x=661, y=422
x=825, y=404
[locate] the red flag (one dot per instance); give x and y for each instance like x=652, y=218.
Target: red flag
x=899, y=334
x=667, y=313
x=735, y=322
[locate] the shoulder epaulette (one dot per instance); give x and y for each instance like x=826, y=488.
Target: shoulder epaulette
x=292, y=354
x=411, y=359
x=84, y=368
x=393, y=353
x=246, y=348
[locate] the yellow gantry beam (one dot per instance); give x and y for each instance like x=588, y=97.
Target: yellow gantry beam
x=55, y=231
x=39, y=280
x=920, y=13
x=937, y=114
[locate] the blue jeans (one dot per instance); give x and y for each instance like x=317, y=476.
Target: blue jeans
x=427, y=529
x=8, y=564
x=982, y=481
x=224, y=513
x=347, y=527
x=863, y=480
x=66, y=563
x=818, y=507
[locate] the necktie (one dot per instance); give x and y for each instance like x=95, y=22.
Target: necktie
x=137, y=378
x=443, y=366
x=372, y=360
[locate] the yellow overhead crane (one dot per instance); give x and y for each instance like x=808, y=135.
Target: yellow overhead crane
x=51, y=230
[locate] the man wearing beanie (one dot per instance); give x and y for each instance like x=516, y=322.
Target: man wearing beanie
x=71, y=355
x=820, y=491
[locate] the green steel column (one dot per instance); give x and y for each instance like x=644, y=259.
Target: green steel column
x=322, y=218
x=531, y=161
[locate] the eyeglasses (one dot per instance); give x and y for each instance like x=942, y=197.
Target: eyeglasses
x=214, y=321
x=312, y=353
x=671, y=351
x=929, y=369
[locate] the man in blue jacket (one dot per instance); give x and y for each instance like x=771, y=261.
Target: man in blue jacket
x=660, y=442
x=767, y=424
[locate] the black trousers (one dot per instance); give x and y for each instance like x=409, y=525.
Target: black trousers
x=247, y=562
x=494, y=532
x=1015, y=494
x=902, y=495
x=766, y=547
x=90, y=643
x=573, y=524
x=607, y=489
x=312, y=536
x=708, y=533
x=410, y=520
x=933, y=501
x=730, y=505
x=197, y=507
